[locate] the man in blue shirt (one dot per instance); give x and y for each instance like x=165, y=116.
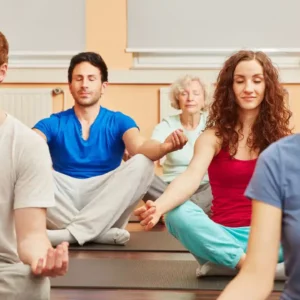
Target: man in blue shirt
x=94, y=194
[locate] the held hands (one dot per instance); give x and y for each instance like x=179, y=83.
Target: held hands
x=55, y=263
x=175, y=141
x=148, y=215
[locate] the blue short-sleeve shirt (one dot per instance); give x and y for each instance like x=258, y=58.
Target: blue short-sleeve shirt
x=276, y=181
x=101, y=153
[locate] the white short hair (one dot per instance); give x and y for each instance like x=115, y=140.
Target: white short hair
x=180, y=84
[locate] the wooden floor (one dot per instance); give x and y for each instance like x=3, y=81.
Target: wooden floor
x=103, y=294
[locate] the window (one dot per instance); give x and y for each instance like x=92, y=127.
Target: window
x=43, y=32
x=200, y=34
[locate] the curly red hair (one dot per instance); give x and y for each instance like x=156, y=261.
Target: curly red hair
x=272, y=122
x=3, y=49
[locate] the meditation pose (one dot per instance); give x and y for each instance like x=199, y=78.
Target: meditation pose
x=248, y=113
x=26, y=191
x=189, y=95
x=94, y=193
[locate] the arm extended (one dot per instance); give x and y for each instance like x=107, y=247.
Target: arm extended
x=183, y=186
x=153, y=149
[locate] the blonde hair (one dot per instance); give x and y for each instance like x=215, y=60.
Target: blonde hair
x=180, y=84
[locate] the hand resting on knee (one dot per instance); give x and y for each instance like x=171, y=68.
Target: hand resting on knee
x=148, y=215
x=55, y=263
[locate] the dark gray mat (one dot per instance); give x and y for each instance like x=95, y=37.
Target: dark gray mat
x=142, y=241
x=139, y=274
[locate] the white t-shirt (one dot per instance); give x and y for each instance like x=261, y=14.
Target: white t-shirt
x=176, y=162
x=25, y=179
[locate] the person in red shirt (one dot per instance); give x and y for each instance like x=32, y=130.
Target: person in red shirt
x=248, y=113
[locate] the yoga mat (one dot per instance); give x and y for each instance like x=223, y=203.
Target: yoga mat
x=139, y=274
x=141, y=241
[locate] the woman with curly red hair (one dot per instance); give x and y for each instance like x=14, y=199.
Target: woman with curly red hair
x=247, y=115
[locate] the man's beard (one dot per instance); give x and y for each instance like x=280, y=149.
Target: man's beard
x=90, y=103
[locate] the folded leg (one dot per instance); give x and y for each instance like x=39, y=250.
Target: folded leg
x=205, y=239
x=18, y=283
x=156, y=189
x=203, y=197
x=112, y=202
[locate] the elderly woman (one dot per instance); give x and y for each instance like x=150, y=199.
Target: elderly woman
x=189, y=95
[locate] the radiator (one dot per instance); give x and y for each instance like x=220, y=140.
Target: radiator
x=27, y=105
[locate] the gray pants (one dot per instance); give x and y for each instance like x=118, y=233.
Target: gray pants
x=202, y=197
x=18, y=283
x=89, y=207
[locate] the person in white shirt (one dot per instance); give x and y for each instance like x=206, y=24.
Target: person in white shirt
x=27, y=258
x=188, y=94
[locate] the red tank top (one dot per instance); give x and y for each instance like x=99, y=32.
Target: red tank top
x=229, y=178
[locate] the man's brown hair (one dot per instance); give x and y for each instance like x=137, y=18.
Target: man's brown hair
x=3, y=49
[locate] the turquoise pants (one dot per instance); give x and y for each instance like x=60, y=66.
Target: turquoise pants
x=207, y=240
